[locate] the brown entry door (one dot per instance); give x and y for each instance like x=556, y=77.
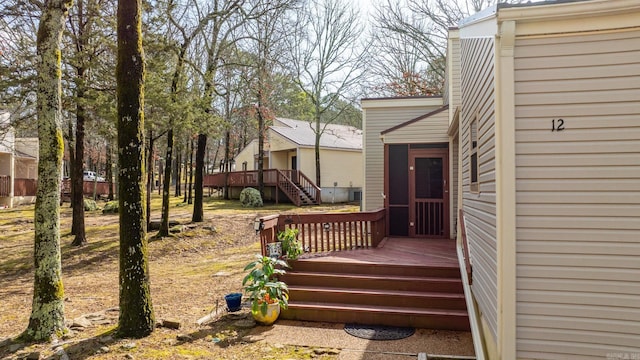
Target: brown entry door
x=428, y=193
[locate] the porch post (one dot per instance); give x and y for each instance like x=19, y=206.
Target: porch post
x=505, y=191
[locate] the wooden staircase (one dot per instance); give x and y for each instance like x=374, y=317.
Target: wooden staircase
x=419, y=296
x=298, y=188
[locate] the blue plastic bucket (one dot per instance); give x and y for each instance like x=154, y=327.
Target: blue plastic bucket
x=233, y=301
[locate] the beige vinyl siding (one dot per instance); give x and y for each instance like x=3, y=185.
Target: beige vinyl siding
x=445, y=88
x=248, y=155
x=578, y=195
x=454, y=97
x=341, y=166
x=429, y=130
x=376, y=120
x=278, y=142
x=477, y=100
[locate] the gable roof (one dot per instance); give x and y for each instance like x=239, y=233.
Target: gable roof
x=335, y=136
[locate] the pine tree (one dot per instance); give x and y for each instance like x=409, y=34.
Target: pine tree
x=136, y=310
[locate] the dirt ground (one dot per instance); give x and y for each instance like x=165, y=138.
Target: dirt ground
x=190, y=274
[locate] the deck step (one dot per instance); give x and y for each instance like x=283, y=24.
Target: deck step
x=318, y=265
x=369, y=281
x=411, y=299
x=377, y=290
x=378, y=315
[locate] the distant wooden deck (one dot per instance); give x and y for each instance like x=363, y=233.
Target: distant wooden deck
x=396, y=251
x=292, y=183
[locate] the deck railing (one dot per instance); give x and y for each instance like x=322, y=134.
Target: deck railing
x=328, y=231
x=25, y=187
x=462, y=248
x=101, y=187
x=465, y=246
x=289, y=181
x=5, y=185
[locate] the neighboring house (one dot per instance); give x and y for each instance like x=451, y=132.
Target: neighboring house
x=18, y=166
x=247, y=158
x=291, y=146
x=543, y=151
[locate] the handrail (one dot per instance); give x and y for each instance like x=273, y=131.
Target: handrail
x=313, y=189
x=328, y=231
x=465, y=272
x=285, y=184
x=465, y=247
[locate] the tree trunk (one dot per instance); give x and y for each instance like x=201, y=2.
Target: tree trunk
x=215, y=155
x=72, y=160
x=317, y=147
x=261, y=132
x=164, y=224
x=109, y=170
x=186, y=172
x=190, y=200
x=150, y=168
x=47, y=309
x=178, y=173
x=160, y=174
x=136, y=310
x=198, y=212
x=77, y=177
x=149, y=176
x=227, y=139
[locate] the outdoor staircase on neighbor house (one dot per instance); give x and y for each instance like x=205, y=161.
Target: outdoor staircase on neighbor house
x=295, y=185
x=298, y=188
x=422, y=296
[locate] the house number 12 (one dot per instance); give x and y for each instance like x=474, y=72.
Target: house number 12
x=557, y=124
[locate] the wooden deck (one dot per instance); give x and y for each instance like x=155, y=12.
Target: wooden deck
x=352, y=273
x=402, y=282
x=395, y=251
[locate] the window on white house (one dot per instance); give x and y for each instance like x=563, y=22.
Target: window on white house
x=473, y=153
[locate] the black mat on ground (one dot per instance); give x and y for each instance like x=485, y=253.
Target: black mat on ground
x=378, y=332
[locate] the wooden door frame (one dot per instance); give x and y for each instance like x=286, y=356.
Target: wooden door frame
x=426, y=153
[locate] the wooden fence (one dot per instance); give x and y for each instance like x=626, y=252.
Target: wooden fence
x=25, y=187
x=5, y=185
x=101, y=187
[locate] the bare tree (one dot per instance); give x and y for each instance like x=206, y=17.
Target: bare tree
x=268, y=33
x=47, y=311
x=410, y=41
x=19, y=22
x=80, y=27
x=188, y=30
x=328, y=62
x=136, y=311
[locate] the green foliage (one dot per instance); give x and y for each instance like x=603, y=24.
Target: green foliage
x=290, y=244
x=110, y=208
x=250, y=197
x=90, y=205
x=262, y=284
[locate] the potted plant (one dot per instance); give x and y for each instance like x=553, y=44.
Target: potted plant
x=266, y=292
x=291, y=247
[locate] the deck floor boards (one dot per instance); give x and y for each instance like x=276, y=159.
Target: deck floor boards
x=398, y=251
